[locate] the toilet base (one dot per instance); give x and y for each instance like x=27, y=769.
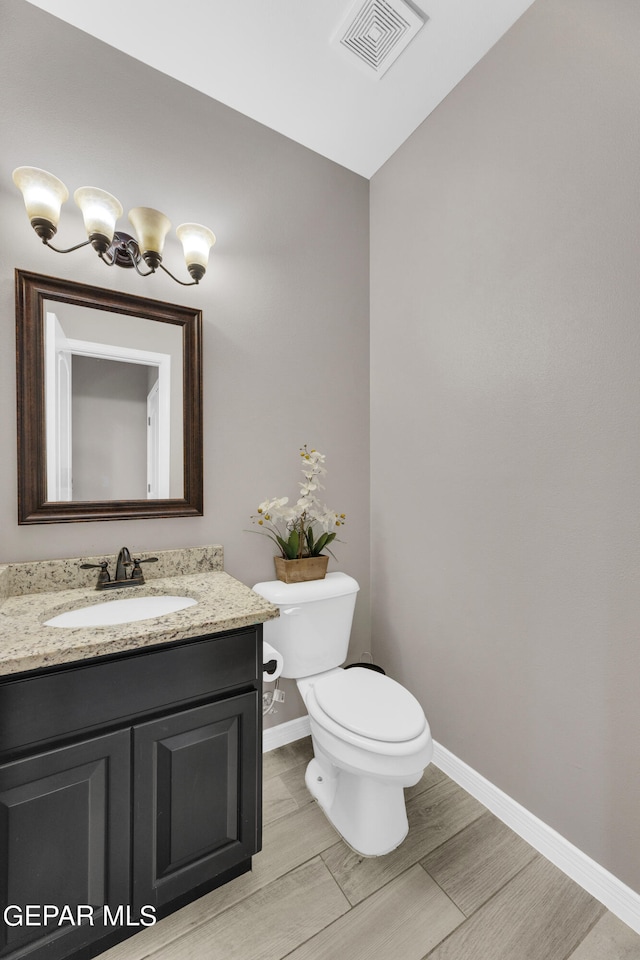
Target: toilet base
x=368, y=813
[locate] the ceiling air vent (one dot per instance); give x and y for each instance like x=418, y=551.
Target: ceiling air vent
x=377, y=32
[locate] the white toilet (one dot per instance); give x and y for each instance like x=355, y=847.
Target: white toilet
x=370, y=735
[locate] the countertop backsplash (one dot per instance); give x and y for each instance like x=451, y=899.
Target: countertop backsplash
x=47, y=576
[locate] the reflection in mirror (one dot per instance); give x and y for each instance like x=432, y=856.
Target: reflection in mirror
x=113, y=406
x=109, y=404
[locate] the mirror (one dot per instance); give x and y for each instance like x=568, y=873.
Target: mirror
x=109, y=404
x=110, y=400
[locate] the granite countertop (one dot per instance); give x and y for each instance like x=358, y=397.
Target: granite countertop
x=33, y=593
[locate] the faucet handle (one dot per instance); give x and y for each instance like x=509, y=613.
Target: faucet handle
x=103, y=576
x=136, y=573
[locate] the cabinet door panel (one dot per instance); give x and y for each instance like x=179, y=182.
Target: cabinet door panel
x=64, y=841
x=196, y=772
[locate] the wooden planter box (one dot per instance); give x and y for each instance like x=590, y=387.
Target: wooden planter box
x=297, y=571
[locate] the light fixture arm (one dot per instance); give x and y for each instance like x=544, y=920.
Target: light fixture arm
x=139, y=271
x=183, y=283
x=111, y=261
x=85, y=243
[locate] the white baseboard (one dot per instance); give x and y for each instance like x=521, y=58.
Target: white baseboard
x=284, y=733
x=615, y=895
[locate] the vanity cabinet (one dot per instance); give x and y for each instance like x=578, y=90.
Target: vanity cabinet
x=129, y=785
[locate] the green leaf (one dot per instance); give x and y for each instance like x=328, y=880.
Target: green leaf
x=281, y=543
x=293, y=545
x=309, y=536
x=284, y=547
x=323, y=542
x=320, y=545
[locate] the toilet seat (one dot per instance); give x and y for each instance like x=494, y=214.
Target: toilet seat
x=371, y=705
x=369, y=710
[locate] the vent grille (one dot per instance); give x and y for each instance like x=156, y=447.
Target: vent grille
x=377, y=32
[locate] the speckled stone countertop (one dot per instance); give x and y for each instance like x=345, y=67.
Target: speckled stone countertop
x=34, y=592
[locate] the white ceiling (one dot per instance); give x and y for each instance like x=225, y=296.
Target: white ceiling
x=273, y=61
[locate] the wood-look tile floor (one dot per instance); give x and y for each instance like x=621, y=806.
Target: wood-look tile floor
x=461, y=887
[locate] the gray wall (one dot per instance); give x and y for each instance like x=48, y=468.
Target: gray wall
x=285, y=300
x=505, y=342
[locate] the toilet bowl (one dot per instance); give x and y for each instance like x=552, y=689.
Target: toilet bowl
x=361, y=766
x=370, y=736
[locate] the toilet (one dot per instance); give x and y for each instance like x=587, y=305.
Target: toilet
x=370, y=736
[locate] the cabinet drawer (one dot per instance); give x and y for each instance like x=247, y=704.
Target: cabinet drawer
x=48, y=706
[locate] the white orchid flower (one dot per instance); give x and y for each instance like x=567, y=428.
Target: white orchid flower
x=298, y=524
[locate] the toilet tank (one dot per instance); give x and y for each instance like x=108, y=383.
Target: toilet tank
x=312, y=631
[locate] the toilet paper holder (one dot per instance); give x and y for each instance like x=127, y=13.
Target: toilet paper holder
x=272, y=663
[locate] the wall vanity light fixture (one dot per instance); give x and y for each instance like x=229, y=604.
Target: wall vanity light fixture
x=44, y=195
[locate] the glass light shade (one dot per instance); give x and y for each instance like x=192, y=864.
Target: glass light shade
x=196, y=243
x=43, y=193
x=100, y=211
x=151, y=228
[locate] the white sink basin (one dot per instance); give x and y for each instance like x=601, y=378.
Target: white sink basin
x=120, y=611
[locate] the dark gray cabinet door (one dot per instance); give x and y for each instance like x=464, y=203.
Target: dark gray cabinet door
x=64, y=841
x=196, y=797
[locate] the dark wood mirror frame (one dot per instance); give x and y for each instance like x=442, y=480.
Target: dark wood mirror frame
x=33, y=507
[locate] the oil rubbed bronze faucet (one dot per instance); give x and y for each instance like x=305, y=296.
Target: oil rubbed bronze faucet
x=123, y=561
x=121, y=579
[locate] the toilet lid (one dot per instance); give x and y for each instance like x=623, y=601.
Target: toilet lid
x=371, y=705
